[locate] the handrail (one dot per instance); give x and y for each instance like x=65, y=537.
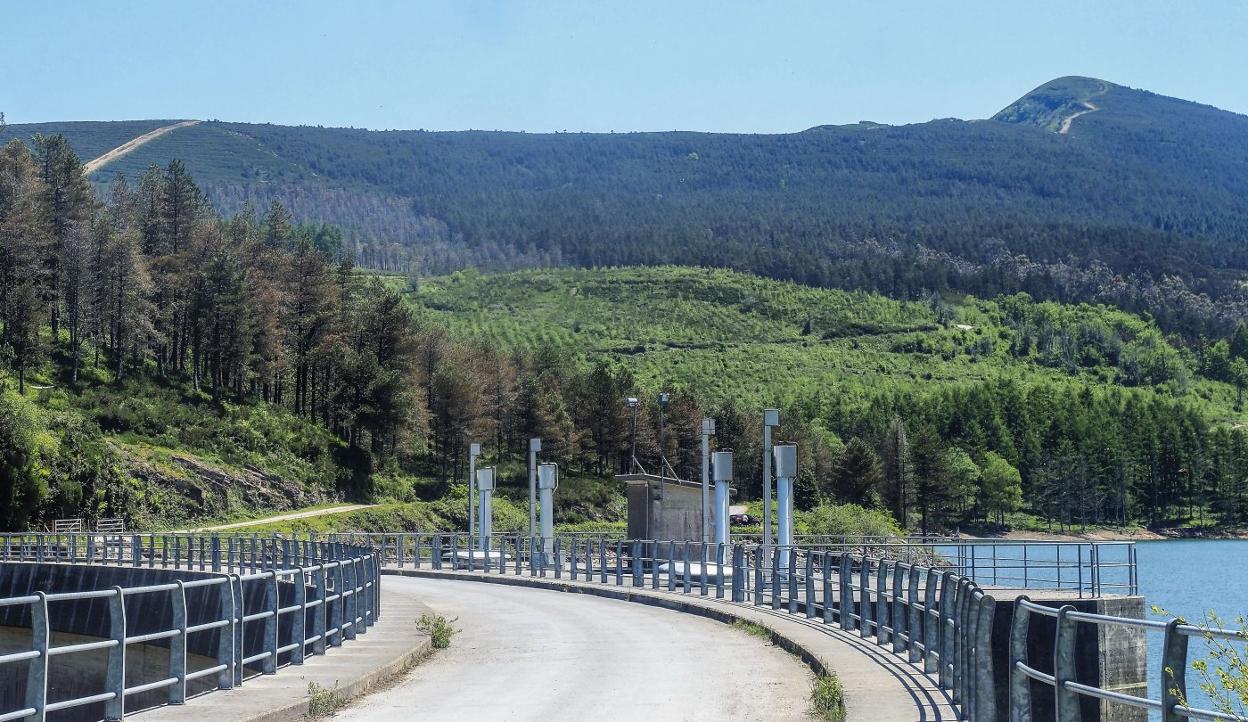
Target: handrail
x=1173, y=668
x=333, y=588
x=1085, y=568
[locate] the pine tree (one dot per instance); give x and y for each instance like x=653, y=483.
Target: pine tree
x=858, y=475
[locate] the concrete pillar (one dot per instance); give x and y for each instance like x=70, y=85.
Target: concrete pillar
x=723, y=480
x=786, y=471
x=485, y=487
x=547, y=482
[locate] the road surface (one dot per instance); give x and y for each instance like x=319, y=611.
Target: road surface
x=529, y=654
x=93, y=165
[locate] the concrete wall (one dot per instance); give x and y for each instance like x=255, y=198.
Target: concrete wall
x=1110, y=657
x=673, y=515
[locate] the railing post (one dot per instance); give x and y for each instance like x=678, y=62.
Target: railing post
x=882, y=623
x=271, y=606
x=639, y=568
x=703, y=560
x=914, y=624
x=298, y=627
x=845, y=579
x=931, y=627
x=719, y=573
x=177, y=645
x=961, y=639
x=225, y=634
x=898, y=614
x=671, y=566
x=827, y=587
x=1173, y=671
x=319, y=611
x=337, y=610
x=777, y=591
x=864, y=596
x=688, y=580
x=944, y=641
x=115, y=675
x=1065, y=701
x=810, y=584
x=758, y=575
x=1020, y=683
x=37, y=668
x=985, y=696
x=240, y=611
x=791, y=578
x=619, y=562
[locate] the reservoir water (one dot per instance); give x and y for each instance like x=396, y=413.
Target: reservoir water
x=1189, y=578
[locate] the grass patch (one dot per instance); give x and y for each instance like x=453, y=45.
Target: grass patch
x=323, y=701
x=827, y=698
x=439, y=628
x=754, y=629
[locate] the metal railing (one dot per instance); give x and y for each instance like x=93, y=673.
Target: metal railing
x=331, y=594
x=1172, y=705
x=1084, y=569
x=933, y=617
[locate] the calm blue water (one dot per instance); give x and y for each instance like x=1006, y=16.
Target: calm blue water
x=1189, y=578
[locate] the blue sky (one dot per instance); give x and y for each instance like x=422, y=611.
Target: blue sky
x=599, y=66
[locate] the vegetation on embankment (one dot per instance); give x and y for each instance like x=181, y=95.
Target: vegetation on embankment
x=998, y=405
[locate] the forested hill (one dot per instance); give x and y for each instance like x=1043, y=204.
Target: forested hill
x=1141, y=187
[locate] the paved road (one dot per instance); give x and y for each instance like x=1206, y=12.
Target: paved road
x=529, y=654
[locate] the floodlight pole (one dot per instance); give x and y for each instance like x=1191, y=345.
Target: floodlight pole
x=708, y=430
x=771, y=419
x=535, y=445
x=474, y=450
x=633, y=403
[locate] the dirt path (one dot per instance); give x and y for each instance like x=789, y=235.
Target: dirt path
x=1091, y=108
x=288, y=517
x=119, y=151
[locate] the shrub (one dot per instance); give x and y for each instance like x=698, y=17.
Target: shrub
x=439, y=628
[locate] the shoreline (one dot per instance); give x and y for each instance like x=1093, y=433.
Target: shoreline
x=1102, y=534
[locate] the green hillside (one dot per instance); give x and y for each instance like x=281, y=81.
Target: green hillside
x=730, y=335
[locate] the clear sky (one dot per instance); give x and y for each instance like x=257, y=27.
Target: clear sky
x=751, y=66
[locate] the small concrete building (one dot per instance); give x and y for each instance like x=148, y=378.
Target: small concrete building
x=663, y=508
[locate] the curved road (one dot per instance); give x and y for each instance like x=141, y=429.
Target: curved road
x=529, y=654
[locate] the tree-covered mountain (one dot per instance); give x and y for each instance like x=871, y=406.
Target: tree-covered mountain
x=165, y=363
x=1142, y=202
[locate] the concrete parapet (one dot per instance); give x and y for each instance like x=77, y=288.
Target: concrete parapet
x=1111, y=657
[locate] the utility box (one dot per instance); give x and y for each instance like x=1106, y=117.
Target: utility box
x=663, y=508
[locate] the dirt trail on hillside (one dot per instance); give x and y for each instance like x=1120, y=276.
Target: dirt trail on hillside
x=124, y=148
x=1091, y=108
x=288, y=517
